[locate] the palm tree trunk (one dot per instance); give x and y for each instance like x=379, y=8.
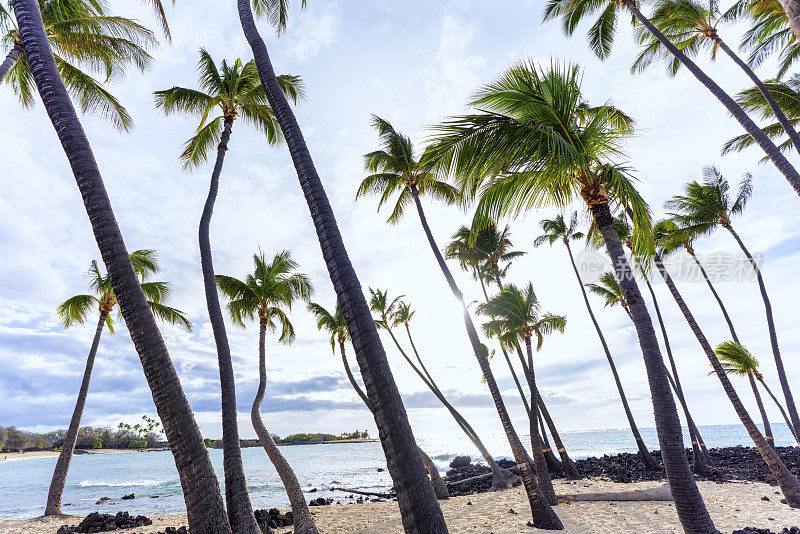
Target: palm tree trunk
x=647, y=458
x=568, y=465
x=501, y=479
x=688, y=502
x=240, y=511
x=14, y=55
x=701, y=458
x=778, y=404
x=204, y=504
x=543, y=515
x=773, y=335
x=792, y=9
x=303, y=521
x=766, y=144
x=787, y=126
x=762, y=411
x=716, y=295
x=419, y=509
x=439, y=486
x=65, y=456
x=553, y=464
x=786, y=480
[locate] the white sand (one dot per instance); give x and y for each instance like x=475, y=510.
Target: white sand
x=732, y=506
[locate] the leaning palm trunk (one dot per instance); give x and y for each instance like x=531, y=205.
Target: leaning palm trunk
x=644, y=453
x=689, y=503
x=544, y=516
x=501, y=479
x=553, y=465
x=240, y=511
x=710, y=285
x=792, y=10
x=786, y=480
x=439, y=486
x=766, y=144
x=773, y=335
x=65, y=456
x=700, y=455
x=566, y=465
x=778, y=404
x=11, y=59
x=761, y=410
x=419, y=509
x=204, y=504
x=303, y=522
x=787, y=126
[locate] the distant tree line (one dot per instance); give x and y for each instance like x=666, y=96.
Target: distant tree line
x=293, y=439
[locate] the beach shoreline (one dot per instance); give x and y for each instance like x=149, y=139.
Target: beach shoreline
x=33, y=455
x=733, y=505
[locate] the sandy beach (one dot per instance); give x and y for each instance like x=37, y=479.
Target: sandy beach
x=732, y=506
x=32, y=455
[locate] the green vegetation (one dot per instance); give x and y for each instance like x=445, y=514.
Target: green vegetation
x=318, y=438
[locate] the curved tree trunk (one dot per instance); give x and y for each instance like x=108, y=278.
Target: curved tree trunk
x=762, y=411
x=786, y=480
x=419, y=509
x=773, y=335
x=439, y=486
x=240, y=511
x=501, y=479
x=568, y=465
x=14, y=55
x=701, y=458
x=792, y=10
x=787, y=126
x=543, y=515
x=644, y=453
x=53, y=506
x=553, y=464
x=778, y=404
x=204, y=504
x=688, y=502
x=716, y=295
x=766, y=144
x=303, y=521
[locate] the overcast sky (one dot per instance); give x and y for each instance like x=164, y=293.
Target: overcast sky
x=413, y=63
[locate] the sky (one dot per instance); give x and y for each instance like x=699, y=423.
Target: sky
x=414, y=63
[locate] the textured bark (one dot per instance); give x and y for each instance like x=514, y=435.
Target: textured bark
x=716, y=295
x=303, y=521
x=204, y=504
x=14, y=55
x=419, y=509
x=543, y=515
x=439, y=486
x=644, y=453
x=553, y=464
x=787, y=126
x=567, y=464
x=786, y=480
x=766, y=144
x=792, y=10
x=773, y=334
x=240, y=511
x=700, y=456
x=56, y=490
x=688, y=502
x=761, y=410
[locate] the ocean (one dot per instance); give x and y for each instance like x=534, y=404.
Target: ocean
x=154, y=480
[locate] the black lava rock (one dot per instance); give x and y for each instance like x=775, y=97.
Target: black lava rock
x=460, y=461
x=97, y=522
x=273, y=518
x=321, y=501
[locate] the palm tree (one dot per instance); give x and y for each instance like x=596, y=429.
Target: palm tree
x=393, y=313
x=601, y=38
x=264, y=294
x=227, y=92
x=785, y=479
x=335, y=324
x=536, y=141
x=396, y=169
x=204, y=504
x=418, y=506
x=786, y=94
x=737, y=360
x=702, y=459
x=773, y=14
x=700, y=211
x=692, y=26
x=74, y=311
x=90, y=48
x=516, y=314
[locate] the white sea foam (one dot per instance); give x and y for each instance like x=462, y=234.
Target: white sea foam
x=92, y=483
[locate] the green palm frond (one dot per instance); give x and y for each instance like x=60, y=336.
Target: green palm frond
x=736, y=359
x=161, y=16
x=156, y=291
x=608, y=288
x=183, y=100
x=170, y=315
x=573, y=12
x=276, y=11
x=145, y=262
x=333, y=323
x=73, y=310
x=196, y=149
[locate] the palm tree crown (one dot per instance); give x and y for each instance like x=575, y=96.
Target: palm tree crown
x=227, y=92
x=386, y=309
x=145, y=262
x=609, y=289
x=395, y=169
x=489, y=250
x=87, y=42
x=333, y=323
x=736, y=359
x=768, y=34
x=558, y=229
